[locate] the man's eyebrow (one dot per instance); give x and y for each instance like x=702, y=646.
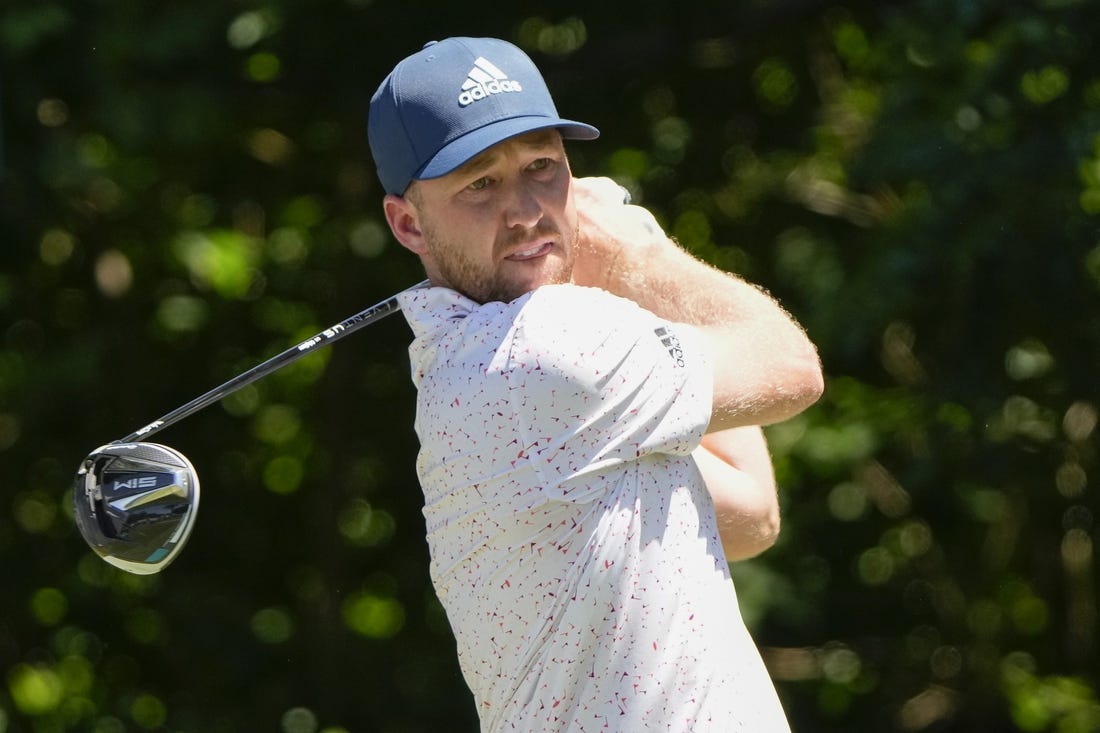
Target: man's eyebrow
x=486, y=159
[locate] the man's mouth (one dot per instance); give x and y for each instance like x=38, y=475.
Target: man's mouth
x=537, y=250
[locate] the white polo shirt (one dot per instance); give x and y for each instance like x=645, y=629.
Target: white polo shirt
x=573, y=543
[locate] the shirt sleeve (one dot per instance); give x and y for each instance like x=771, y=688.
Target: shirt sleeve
x=603, y=381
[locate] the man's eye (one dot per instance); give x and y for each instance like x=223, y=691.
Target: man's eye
x=540, y=164
x=480, y=184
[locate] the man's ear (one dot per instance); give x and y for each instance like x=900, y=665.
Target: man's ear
x=404, y=222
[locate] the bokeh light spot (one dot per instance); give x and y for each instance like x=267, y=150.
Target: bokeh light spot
x=283, y=474
x=374, y=616
x=272, y=625
x=49, y=606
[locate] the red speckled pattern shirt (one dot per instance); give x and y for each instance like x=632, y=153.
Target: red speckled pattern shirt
x=573, y=542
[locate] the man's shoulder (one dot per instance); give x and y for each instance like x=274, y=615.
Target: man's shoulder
x=569, y=324
x=551, y=317
x=584, y=305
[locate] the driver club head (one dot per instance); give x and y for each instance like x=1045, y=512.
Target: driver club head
x=135, y=504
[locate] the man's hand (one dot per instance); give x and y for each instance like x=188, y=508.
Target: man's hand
x=607, y=227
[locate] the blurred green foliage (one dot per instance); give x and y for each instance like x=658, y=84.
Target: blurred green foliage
x=186, y=190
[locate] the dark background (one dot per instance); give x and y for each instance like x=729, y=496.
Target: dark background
x=186, y=190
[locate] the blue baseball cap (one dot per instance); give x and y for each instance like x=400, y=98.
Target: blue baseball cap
x=452, y=100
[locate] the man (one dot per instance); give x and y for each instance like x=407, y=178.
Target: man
x=589, y=403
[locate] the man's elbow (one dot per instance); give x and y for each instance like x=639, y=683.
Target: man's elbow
x=808, y=379
x=744, y=540
x=797, y=377
x=769, y=530
x=797, y=385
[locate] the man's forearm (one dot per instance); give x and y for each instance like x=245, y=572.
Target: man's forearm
x=766, y=369
x=738, y=474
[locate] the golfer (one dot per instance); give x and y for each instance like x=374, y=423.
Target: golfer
x=589, y=403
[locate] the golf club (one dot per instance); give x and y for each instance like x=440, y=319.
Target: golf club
x=135, y=502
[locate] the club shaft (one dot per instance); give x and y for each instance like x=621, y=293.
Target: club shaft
x=324, y=338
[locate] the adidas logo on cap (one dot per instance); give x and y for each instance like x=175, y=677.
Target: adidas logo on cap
x=483, y=80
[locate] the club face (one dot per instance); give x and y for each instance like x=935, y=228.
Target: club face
x=135, y=504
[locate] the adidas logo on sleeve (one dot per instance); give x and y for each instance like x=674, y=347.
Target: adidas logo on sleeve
x=672, y=343
x=483, y=80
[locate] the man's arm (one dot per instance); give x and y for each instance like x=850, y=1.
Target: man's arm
x=765, y=367
x=737, y=470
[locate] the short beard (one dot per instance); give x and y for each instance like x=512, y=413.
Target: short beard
x=464, y=275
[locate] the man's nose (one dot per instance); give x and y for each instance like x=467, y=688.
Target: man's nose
x=523, y=207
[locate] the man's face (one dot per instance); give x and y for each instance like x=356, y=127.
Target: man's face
x=503, y=224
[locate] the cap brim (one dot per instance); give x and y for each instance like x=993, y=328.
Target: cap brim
x=458, y=152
